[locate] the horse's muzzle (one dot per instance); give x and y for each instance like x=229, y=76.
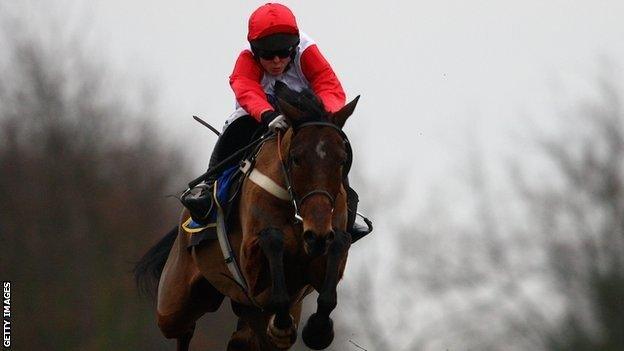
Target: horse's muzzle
x=316, y=245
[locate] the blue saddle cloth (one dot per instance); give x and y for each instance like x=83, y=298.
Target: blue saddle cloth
x=223, y=193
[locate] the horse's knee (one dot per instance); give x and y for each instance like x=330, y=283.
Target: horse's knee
x=172, y=327
x=185, y=308
x=340, y=244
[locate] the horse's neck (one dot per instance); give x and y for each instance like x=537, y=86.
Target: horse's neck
x=268, y=162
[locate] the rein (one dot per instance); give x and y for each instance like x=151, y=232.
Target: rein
x=289, y=188
x=297, y=204
x=220, y=166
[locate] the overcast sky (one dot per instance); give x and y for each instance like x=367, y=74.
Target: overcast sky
x=431, y=73
x=434, y=76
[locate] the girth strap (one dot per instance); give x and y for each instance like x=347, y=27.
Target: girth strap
x=226, y=248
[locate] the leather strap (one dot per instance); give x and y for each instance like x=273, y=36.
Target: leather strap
x=269, y=185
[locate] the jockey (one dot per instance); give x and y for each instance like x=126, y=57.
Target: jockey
x=277, y=51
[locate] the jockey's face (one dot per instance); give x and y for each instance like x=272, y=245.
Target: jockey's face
x=275, y=66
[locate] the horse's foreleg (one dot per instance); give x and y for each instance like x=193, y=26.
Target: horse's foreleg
x=318, y=332
x=184, y=341
x=281, y=329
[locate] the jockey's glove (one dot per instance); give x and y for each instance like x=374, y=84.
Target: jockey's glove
x=274, y=120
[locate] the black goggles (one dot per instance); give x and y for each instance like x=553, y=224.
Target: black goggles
x=270, y=54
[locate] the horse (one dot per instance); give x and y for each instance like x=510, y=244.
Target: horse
x=287, y=246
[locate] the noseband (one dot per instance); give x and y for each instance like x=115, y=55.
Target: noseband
x=286, y=169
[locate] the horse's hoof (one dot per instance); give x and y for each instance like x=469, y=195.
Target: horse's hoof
x=282, y=338
x=318, y=333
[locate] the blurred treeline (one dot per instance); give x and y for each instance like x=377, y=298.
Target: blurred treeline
x=84, y=175
x=533, y=260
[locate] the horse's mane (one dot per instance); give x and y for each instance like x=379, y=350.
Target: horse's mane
x=305, y=101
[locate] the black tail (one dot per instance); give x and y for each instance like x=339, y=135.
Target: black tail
x=149, y=268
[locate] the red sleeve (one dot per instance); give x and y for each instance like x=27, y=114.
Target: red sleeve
x=322, y=79
x=245, y=82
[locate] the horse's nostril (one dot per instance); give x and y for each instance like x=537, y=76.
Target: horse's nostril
x=309, y=236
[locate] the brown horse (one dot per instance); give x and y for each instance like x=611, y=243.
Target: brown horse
x=282, y=259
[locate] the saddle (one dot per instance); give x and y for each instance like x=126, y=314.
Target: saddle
x=225, y=192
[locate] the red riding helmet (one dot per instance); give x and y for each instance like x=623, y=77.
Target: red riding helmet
x=272, y=27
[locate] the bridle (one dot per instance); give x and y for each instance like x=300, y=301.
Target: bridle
x=297, y=203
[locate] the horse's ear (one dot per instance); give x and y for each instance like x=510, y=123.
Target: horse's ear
x=290, y=111
x=340, y=117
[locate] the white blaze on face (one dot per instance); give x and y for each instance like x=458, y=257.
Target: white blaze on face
x=320, y=149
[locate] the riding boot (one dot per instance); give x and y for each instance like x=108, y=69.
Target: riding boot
x=199, y=205
x=237, y=135
x=357, y=231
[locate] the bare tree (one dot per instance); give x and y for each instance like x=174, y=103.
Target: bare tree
x=579, y=213
x=539, y=267
x=84, y=175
